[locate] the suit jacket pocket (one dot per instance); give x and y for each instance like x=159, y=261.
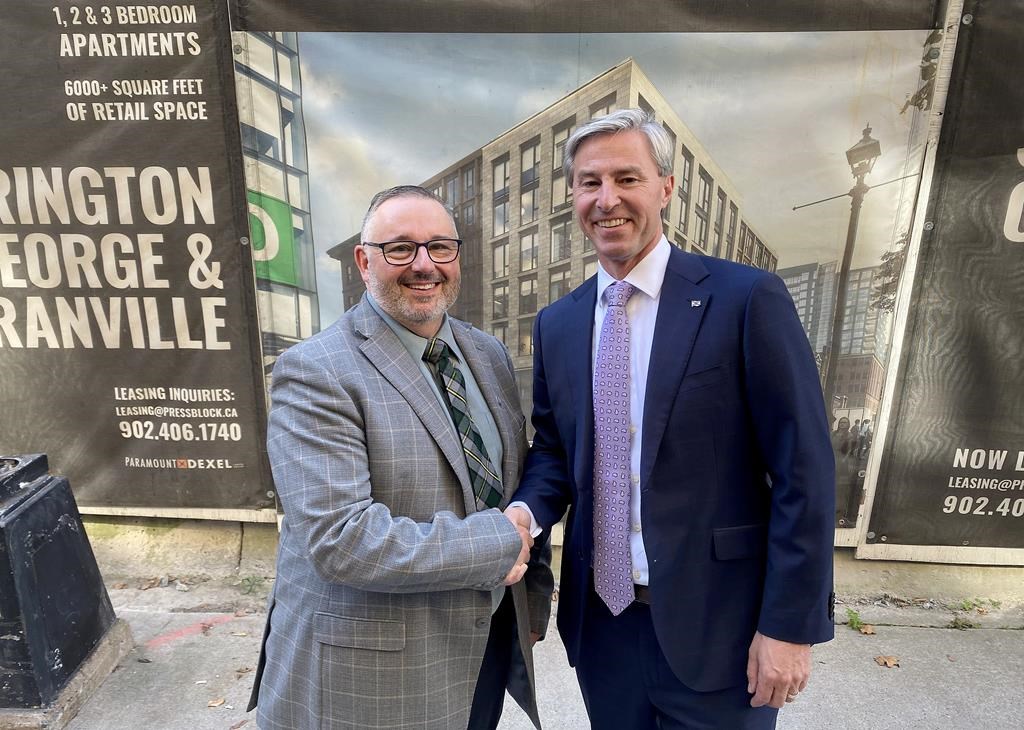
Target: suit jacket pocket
x=358, y=633
x=702, y=378
x=736, y=543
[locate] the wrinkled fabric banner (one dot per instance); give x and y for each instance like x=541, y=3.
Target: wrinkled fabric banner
x=953, y=466
x=128, y=346
x=580, y=16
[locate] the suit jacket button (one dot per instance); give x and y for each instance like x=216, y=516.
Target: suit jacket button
x=481, y=623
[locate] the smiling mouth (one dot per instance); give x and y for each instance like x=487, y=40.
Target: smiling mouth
x=422, y=285
x=610, y=223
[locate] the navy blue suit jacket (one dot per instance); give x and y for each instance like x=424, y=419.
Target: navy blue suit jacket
x=737, y=473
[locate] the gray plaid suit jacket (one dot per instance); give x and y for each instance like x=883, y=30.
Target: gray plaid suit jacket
x=381, y=608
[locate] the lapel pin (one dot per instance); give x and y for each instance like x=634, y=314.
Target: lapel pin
x=695, y=302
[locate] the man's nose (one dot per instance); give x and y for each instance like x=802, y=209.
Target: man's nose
x=421, y=261
x=607, y=197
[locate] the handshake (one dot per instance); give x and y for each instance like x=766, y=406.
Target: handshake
x=521, y=519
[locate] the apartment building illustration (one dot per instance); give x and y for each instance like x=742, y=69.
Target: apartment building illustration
x=866, y=330
x=513, y=207
x=269, y=94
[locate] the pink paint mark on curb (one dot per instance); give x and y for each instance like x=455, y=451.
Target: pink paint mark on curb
x=192, y=630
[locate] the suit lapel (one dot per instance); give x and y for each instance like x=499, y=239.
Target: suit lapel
x=680, y=312
x=387, y=353
x=576, y=333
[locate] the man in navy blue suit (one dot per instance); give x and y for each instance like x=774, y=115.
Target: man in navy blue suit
x=697, y=559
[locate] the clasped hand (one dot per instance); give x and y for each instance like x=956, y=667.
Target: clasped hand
x=518, y=517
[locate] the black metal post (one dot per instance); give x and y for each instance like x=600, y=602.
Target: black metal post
x=839, y=310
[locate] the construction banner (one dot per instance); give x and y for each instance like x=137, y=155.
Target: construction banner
x=952, y=472
x=475, y=102
x=128, y=336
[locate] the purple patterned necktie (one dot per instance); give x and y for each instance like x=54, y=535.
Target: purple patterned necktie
x=613, y=578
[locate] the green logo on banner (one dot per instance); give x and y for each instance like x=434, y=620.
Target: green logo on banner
x=273, y=242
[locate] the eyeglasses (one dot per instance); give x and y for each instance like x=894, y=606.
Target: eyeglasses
x=400, y=253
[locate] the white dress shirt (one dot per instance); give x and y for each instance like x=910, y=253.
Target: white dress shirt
x=647, y=278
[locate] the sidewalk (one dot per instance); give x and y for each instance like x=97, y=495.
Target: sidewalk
x=196, y=650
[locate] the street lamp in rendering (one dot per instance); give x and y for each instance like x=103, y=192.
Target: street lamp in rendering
x=862, y=155
x=862, y=158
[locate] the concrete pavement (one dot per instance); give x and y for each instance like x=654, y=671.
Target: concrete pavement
x=196, y=650
x=946, y=679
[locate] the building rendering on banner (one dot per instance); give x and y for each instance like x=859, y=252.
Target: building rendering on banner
x=276, y=174
x=514, y=210
x=866, y=332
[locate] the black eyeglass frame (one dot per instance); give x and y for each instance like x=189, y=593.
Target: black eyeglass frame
x=416, y=251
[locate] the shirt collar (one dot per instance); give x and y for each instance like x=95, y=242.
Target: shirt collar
x=412, y=341
x=647, y=276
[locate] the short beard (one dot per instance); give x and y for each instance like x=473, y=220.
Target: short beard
x=391, y=299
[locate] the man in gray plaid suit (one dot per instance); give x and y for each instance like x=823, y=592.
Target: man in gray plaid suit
x=395, y=437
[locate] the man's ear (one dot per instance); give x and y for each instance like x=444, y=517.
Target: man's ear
x=670, y=184
x=362, y=262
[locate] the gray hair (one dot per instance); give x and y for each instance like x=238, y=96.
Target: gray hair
x=402, y=191
x=621, y=121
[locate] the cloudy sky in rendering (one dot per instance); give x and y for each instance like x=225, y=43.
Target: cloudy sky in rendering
x=776, y=111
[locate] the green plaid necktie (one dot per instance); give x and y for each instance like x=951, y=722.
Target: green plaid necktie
x=486, y=484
